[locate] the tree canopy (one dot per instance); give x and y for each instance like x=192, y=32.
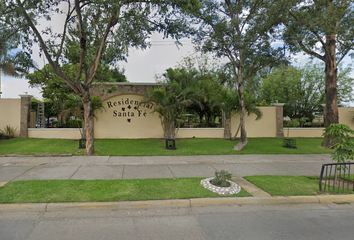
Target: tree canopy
x=324, y=30
x=239, y=31
x=99, y=30
x=302, y=89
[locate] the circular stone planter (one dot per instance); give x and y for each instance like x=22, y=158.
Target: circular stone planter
x=233, y=189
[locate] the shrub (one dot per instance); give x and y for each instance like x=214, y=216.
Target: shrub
x=303, y=121
x=308, y=124
x=220, y=178
x=318, y=124
x=9, y=131
x=55, y=123
x=291, y=123
x=341, y=142
x=74, y=123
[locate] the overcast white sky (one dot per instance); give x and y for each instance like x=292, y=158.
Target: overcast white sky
x=142, y=66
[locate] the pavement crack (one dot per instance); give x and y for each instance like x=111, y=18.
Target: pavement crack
x=75, y=171
x=35, y=224
x=23, y=173
x=212, y=166
x=170, y=171
x=123, y=172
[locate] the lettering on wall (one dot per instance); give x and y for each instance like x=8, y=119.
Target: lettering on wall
x=128, y=108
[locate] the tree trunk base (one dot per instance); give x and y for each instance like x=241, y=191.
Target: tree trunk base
x=239, y=146
x=326, y=142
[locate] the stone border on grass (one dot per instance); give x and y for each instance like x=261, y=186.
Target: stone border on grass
x=233, y=189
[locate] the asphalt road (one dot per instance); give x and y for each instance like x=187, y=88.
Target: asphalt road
x=297, y=221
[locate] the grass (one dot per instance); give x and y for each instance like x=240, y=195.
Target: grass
x=43, y=191
x=286, y=185
x=49, y=191
x=156, y=147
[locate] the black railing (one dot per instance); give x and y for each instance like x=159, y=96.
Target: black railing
x=337, y=177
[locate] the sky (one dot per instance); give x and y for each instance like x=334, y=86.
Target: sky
x=141, y=65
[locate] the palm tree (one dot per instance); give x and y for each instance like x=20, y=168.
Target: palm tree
x=170, y=103
x=15, y=64
x=231, y=105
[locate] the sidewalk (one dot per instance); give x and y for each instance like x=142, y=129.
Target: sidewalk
x=105, y=167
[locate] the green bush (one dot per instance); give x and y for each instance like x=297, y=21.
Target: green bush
x=303, y=121
x=318, y=124
x=74, y=123
x=9, y=131
x=308, y=124
x=56, y=124
x=220, y=178
x=291, y=123
x=341, y=142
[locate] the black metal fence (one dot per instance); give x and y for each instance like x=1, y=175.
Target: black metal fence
x=337, y=177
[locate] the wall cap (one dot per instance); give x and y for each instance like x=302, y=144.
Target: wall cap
x=306, y=128
x=25, y=95
x=182, y=128
x=278, y=104
x=54, y=129
x=128, y=83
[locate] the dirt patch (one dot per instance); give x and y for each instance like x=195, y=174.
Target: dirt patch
x=338, y=184
x=4, y=137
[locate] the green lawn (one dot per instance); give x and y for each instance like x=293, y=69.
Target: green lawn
x=47, y=191
x=156, y=147
x=286, y=185
x=43, y=191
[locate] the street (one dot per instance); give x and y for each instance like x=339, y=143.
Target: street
x=295, y=221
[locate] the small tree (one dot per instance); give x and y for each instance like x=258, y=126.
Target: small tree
x=341, y=142
x=170, y=103
x=231, y=105
x=74, y=108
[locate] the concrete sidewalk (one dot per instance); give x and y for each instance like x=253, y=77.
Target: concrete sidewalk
x=15, y=168
x=105, y=167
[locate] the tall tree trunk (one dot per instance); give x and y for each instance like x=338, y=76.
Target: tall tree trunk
x=331, y=116
x=88, y=115
x=243, y=140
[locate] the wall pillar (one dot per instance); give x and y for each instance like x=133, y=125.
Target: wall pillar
x=279, y=119
x=25, y=115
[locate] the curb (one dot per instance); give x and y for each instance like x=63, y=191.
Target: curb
x=38, y=155
x=177, y=203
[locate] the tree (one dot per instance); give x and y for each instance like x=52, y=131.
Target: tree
x=239, y=31
x=323, y=29
x=73, y=107
x=231, y=106
x=170, y=103
x=13, y=62
x=101, y=29
x=58, y=93
x=201, y=74
x=302, y=89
